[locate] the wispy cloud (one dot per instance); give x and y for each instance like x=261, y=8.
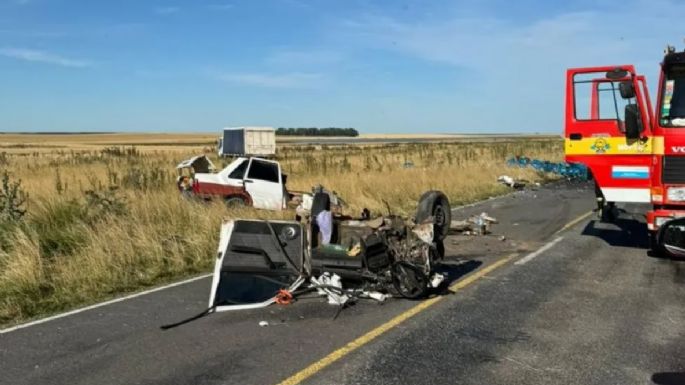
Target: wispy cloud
x=37, y=56
x=499, y=58
x=288, y=80
x=490, y=41
x=304, y=57
x=168, y=10
x=220, y=7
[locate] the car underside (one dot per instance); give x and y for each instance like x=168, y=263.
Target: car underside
x=260, y=262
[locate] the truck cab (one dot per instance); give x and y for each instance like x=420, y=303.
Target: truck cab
x=668, y=179
x=634, y=153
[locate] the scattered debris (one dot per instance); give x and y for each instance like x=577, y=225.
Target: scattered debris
x=437, y=280
x=475, y=225
x=331, y=286
x=511, y=182
x=568, y=170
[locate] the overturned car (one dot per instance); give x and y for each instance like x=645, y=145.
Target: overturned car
x=260, y=262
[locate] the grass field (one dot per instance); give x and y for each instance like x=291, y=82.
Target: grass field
x=103, y=215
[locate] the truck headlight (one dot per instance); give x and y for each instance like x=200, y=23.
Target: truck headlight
x=676, y=194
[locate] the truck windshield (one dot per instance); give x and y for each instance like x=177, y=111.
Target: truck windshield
x=673, y=98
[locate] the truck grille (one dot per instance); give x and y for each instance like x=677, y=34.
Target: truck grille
x=674, y=170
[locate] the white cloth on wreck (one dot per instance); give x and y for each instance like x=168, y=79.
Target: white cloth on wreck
x=325, y=222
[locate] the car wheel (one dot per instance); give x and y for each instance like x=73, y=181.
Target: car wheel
x=235, y=202
x=409, y=281
x=435, y=204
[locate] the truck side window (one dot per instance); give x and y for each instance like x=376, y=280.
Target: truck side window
x=239, y=172
x=598, y=98
x=261, y=170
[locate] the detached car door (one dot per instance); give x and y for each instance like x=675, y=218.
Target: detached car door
x=263, y=183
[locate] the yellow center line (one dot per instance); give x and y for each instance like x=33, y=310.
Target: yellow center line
x=397, y=320
x=574, y=222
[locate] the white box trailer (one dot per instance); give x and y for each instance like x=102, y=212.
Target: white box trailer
x=251, y=141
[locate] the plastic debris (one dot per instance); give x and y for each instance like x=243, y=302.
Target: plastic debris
x=437, y=279
x=475, y=225
x=331, y=286
x=568, y=170
x=511, y=182
x=263, y=323
x=380, y=297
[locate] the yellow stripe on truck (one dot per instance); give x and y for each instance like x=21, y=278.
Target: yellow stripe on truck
x=617, y=145
x=658, y=145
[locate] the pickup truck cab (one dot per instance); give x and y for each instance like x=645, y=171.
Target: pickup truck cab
x=250, y=181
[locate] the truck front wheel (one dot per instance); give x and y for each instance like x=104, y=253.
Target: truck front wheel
x=655, y=249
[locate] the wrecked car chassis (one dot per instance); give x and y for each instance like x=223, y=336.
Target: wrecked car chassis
x=260, y=262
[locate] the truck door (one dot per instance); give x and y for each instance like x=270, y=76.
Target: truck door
x=607, y=128
x=263, y=183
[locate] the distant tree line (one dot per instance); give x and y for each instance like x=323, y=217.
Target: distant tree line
x=314, y=131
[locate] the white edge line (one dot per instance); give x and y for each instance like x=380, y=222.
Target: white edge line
x=97, y=305
x=537, y=252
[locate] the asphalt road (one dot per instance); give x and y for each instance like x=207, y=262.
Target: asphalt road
x=591, y=308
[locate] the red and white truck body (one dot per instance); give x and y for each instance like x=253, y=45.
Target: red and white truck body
x=635, y=153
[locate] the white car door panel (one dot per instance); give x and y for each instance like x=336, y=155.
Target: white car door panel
x=263, y=183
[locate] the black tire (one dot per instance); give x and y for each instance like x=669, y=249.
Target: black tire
x=608, y=213
x=409, y=281
x=235, y=202
x=435, y=204
x=655, y=249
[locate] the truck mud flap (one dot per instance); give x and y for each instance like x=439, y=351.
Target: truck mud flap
x=255, y=260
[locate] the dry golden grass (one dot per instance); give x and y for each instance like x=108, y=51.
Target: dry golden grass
x=74, y=247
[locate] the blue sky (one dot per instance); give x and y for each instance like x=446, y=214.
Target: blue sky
x=378, y=66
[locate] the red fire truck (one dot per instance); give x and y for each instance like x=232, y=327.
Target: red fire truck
x=635, y=153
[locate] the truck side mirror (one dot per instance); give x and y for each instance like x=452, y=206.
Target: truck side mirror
x=633, y=125
x=626, y=89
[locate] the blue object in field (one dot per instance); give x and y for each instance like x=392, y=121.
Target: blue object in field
x=568, y=170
